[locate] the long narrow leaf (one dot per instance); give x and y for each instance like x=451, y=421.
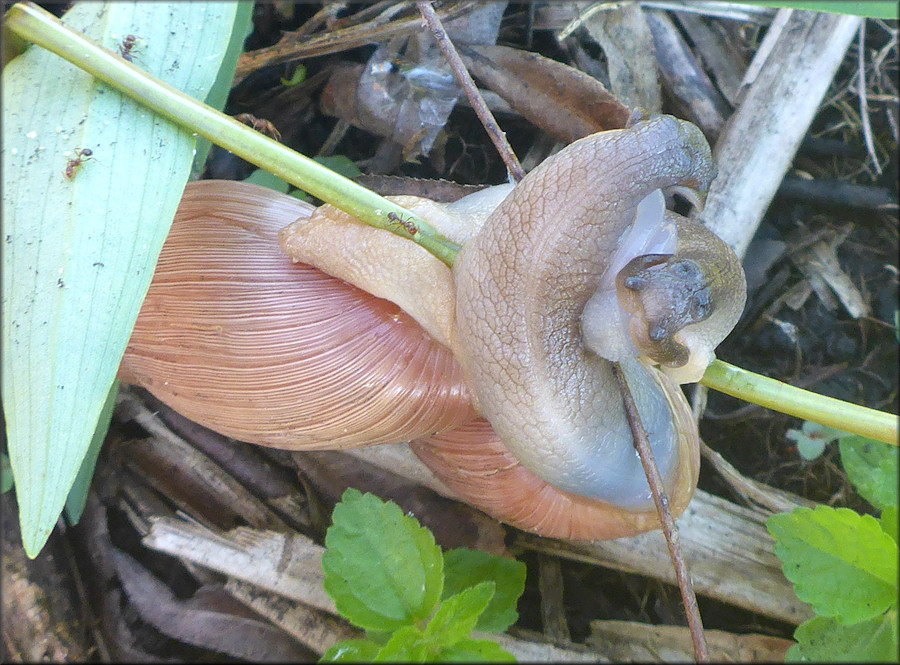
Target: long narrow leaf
x=81, y=239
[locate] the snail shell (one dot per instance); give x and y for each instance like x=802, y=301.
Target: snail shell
x=237, y=338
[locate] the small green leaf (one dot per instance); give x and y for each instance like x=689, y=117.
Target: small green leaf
x=889, y=523
x=826, y=640
x=78, y=494
x=382, y=568
x=872, y=468
x=340, y=164
x=406, y=646
x=379, y=637
x=456, y=616
x=298, y=77
x=464, y=568
x=475, y=651
x=812, y=438
x=355, y=610
x=840, y=562
x=266, y=179
x=351, y=651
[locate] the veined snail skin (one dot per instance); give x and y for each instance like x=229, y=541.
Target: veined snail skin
x=522, y=286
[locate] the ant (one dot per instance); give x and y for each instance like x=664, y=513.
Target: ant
x=81, y=156
x=262, y=126
x=407, y=224
x=126, y=46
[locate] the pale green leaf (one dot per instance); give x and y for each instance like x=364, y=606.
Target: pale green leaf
x=382, y=568
x=77, y=498
x=351, y=651
x=873, y=469
x=889, y=523
x=464, y=568
x=218, y=93
x=840, y=562
x=812, y=438
x=407, y=645
x=456, y=616
x=869, y=8
x=826, y=640
x=266, y=179
x=79, y=252
x=475, y=651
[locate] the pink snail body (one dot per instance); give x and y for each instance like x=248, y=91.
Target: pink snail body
x=559, y=459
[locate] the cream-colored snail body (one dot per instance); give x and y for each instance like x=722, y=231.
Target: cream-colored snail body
x=237, y=338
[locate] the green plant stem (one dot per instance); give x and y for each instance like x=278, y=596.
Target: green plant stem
x=785, y=398
x=34, y=24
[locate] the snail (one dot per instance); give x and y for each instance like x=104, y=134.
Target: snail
x=498, y=371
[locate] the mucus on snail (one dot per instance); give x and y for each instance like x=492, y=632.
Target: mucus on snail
x=496, y=371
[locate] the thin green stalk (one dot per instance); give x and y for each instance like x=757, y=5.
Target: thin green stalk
x=42, y=28
x=785, y=398
x=38, y=26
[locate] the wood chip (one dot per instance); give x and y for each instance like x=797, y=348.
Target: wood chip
x=287, y=564
x=794, y=68
x=730, y=552
x=819, y=263
x=718, y=53
x=694, y=93
x=316, y=629
x=630, y=642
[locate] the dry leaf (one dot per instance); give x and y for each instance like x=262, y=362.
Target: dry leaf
x=820, y=265
x=625, y=38
x=564, y=102
x=237, y=636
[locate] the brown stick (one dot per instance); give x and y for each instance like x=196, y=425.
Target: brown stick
x=642, y=444
x=498, y=137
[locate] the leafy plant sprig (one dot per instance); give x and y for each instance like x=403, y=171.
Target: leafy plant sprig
x=387, y=575
x=845, y=564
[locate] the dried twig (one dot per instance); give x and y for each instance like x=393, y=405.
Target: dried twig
x=296, y=47
x=498, y=137
x=642, y=444
x=752, y=491
x=684, y=76
x=550, y=584
x=863, y=101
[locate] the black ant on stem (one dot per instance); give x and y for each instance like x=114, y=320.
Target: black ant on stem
x=127, y=46
x=259, y=124
x=407, y=224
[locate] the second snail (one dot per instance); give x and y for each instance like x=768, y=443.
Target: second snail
x=498, y=371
